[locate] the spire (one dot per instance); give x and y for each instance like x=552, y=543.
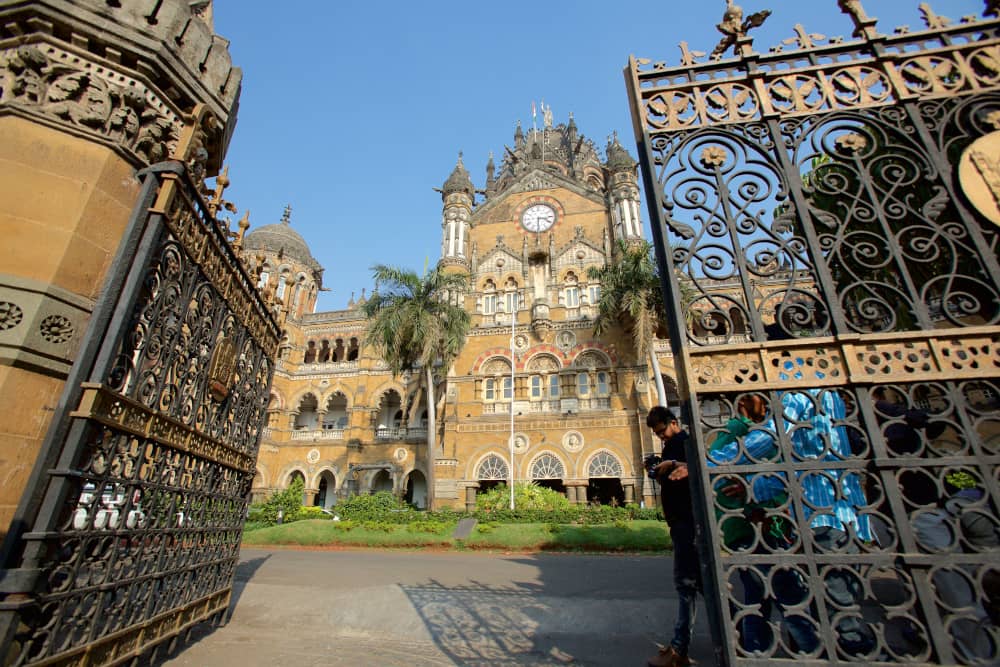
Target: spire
x=571, y=128
x=459, y=180
x=286, y=217
x=518, y=135
x=490, y=175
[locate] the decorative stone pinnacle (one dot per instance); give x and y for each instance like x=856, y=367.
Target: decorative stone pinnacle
x=286, y=217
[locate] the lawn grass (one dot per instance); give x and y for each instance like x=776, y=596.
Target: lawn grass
x=631, y=536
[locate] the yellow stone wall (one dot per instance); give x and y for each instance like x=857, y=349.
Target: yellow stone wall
x=66, y=201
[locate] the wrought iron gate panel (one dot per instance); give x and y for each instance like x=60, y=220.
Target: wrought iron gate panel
x=139, y=527
x=834, y=315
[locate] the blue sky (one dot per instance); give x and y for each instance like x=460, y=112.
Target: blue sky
x=352, y=112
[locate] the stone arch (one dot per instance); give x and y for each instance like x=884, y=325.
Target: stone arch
x=275, y=402
x=603, y=463
x=495, y=365
x=414, y=486
x=326, y=484
x=306, y=412
x=491, y=466
x=336, y=405
x=389, y=407
x=591, y=358
x=543, y=361
x=546, y=463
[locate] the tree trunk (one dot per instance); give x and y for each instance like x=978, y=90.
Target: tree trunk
x=661, y=392
x=431, y=436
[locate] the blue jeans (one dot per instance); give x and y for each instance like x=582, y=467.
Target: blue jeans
x=687, y=582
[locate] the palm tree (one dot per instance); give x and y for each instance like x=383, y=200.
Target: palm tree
x=631, y=296
x=413, y=321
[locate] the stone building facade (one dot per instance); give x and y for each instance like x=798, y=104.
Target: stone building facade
x=552, y=209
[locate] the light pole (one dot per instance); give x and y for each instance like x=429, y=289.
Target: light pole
x=513, y=323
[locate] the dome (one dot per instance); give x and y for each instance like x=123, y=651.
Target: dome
x=459, y=181
x=618, y=157
x=281, y=238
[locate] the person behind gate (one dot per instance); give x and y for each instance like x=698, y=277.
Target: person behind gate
x=675, y=496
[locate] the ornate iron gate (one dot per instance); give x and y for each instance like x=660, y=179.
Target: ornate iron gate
x=825, y=224
x=130, y=532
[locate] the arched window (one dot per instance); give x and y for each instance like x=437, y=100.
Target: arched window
x=492, y=467
x=308, y=417
x=265, y=275
x=512, y=299
x=603, y=388
x=310, y=355
x=594, y=294
x=496, y=385
x=604, y=465
x=547, y=466
x=571, y=292
x=490, y=298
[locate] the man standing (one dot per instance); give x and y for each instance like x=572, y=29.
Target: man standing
x=675, y=496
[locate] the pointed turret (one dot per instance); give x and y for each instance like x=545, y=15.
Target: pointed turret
x=458, y=195
x=459, y=181
x=518, y=136
x=623, y=191
x=491, y=181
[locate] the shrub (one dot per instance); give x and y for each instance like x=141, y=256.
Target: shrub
x=289, y=501
x=310, y=512
x=527, y=496
x=382, y=506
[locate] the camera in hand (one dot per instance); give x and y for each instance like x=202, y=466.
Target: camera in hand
x=650, y=462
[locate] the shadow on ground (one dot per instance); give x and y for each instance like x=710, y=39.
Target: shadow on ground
x=245, y=571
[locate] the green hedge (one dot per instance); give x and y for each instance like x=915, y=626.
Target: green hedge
x=534, y=505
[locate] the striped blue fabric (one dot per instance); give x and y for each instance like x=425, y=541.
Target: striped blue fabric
x=809, y=417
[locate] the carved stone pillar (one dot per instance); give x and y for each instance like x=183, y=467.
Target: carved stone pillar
x=470, y=496
x=93, y=91
x=310, y=497
x=629, y=489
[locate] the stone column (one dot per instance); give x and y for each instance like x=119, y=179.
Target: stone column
x=470, y=495
x=629, y=489
x=576, y=491
x=310, y=497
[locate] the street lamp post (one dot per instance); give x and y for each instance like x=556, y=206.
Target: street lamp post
x=513, y=323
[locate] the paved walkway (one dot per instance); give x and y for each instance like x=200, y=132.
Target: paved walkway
x=391, y=608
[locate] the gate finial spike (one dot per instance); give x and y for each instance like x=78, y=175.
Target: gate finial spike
x=864, y=25
x=931, y=20
x=734, y=28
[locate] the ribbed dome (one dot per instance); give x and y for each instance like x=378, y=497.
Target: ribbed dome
x=459, y=180
x=280, y=237
x=618, y=157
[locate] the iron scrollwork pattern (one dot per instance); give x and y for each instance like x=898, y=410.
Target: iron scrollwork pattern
x=146, y=543
x=835, y=316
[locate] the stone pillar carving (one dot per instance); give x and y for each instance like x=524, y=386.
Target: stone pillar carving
x=77, y=126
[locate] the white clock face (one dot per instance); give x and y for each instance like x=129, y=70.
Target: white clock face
x=538, y=217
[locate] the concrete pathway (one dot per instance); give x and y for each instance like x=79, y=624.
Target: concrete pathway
x=393, y=608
